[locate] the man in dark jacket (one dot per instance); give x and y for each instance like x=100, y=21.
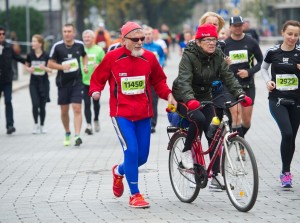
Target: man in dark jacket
x=7, y=55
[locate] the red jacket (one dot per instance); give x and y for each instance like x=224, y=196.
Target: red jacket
x=116, y=67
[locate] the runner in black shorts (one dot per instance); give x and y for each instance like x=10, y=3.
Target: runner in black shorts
x=65, y=57
x=242, y=51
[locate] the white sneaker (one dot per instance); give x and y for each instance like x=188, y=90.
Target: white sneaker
x=97, y=126
x=36, y=129
x=187, y=159
x=43, y=130
x=216, y=183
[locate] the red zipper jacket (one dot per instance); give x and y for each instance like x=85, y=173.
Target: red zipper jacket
x=117, y=66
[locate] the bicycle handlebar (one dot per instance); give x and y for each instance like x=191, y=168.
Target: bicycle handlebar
x=227, y=104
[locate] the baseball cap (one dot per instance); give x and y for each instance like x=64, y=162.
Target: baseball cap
x=236, y=20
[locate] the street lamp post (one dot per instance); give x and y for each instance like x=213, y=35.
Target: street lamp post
x=7, y=17
x=27, y=25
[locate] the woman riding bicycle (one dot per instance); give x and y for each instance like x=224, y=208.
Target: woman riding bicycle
x=201, y=64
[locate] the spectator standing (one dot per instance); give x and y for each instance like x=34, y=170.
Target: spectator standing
x=130, y=71
x=7, y=55
x=65, y=57
x=95, y=55
x=39, y=86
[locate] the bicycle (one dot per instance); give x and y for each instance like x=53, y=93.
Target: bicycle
x=240, y=174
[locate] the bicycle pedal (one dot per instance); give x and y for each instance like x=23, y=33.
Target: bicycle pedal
x=201, y=176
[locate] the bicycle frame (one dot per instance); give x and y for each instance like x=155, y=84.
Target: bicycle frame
x=220, y=137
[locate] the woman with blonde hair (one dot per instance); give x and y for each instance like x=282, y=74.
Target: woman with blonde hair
x=212, y=18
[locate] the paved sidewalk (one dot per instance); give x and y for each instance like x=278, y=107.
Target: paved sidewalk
x=42, y=181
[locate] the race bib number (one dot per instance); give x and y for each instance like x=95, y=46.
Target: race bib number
x=286, y=82
x=37, y=70
x=74, y=65
x=133, y=85
x=238, y=56
x=91, y=59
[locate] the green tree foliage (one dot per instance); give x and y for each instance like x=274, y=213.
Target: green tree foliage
x=150, y=12
x=18, y=21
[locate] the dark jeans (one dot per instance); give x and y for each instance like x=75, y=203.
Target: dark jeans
x=6, y=88
x=154, y=106
x=87, y=106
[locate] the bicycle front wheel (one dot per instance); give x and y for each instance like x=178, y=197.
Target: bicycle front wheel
x=182, y=180
x=240, y=174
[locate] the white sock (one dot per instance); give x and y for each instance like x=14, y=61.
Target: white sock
x=116, y=171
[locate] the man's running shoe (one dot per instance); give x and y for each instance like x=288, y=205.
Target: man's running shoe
x=216, y=183
x=138, y=201
x=78, y=141
x=67, y=140
x=286, y=180
x=97, y=126
x=118, y=186
x=187, y=159
x=242, y=152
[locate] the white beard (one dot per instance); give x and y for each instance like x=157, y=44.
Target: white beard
x=137, y=53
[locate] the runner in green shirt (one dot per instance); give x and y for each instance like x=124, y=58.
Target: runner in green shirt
x=95, y=56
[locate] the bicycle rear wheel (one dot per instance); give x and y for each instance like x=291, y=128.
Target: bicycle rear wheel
x=182, y=180
x=240, y=174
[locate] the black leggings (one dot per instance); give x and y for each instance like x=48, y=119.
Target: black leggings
x=201, y=120
x=39, y=98
x=287, y=119
x=87, y=106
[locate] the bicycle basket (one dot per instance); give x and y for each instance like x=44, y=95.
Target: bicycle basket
x=178, y=121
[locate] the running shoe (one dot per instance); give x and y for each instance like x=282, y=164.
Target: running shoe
x=78, y=141
x=138, y=201
x=10, y=130
x=89, y=131
x=43, y=130
x=118, y=186
x=216, y=183
x=36, y=129
x=187, y=159
x=97, y=126
x=67, y=140
x=286, y=180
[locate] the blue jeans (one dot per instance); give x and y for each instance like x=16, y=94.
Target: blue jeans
x=6, y=88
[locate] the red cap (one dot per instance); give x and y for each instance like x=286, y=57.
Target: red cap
x=206, y=30
x=129, y=27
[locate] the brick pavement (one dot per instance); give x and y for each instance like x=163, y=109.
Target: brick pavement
x=42, y=181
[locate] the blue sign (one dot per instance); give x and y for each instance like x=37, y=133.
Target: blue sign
x=223, y=13
x=235, y=2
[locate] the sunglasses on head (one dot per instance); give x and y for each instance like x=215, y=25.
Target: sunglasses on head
x=136, y=39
